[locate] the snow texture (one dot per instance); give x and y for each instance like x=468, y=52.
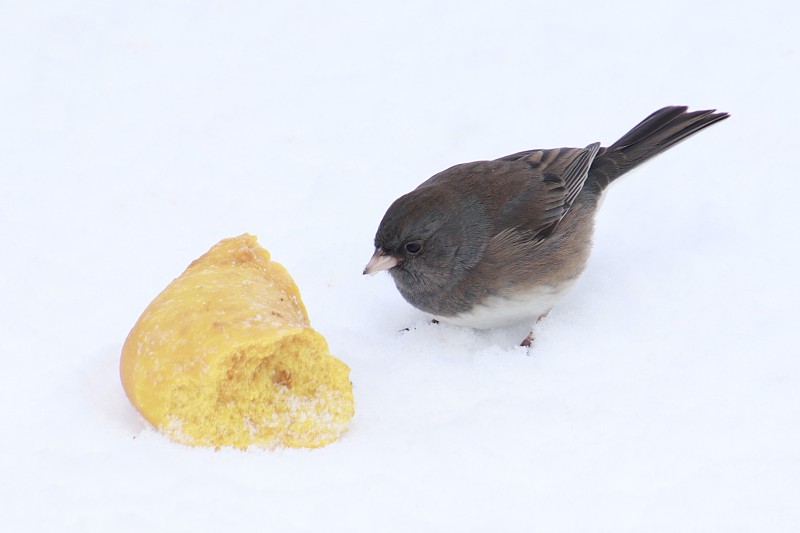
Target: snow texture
x=662, y=395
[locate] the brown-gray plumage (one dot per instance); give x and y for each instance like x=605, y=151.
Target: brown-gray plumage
x=491, y=243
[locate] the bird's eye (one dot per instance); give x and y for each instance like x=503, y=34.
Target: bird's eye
x=413, y=247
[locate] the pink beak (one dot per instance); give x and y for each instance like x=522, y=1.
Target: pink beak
x=380, y=261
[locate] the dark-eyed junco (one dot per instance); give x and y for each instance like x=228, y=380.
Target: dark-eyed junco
x=494, y=243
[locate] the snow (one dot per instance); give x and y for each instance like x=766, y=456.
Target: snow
x=662, y=394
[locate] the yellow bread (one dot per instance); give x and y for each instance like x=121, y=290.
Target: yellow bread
x=225, y=356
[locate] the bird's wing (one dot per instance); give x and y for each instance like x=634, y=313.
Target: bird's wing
x=544, y=184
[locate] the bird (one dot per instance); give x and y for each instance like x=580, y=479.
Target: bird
x=489, y=244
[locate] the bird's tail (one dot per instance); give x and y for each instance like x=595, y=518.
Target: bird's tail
x=657, y=133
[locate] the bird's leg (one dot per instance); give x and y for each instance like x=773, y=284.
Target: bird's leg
x=528, y=341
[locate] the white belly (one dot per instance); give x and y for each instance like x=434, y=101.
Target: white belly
x=498, y=312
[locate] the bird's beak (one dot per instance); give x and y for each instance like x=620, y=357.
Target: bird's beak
x=381, y=260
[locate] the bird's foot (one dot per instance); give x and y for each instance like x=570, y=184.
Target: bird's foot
x=528, y=341
x=433, y=321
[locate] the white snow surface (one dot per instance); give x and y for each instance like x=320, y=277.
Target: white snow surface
x=662, y=394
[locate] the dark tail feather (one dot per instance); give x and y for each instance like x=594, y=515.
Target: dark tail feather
x=659, y=132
